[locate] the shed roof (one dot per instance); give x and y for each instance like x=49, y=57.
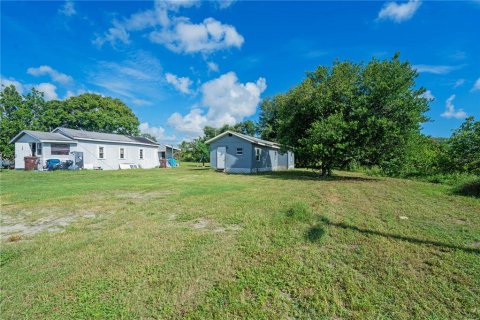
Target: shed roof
x=163, y=147
x=247, y=138
x=43, y=136
x=100, y=136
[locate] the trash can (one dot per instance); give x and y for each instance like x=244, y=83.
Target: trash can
x=30, y=163
x=51, y=163
x=163, y=163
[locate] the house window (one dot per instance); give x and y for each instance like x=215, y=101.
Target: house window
x=239, y=151
x=140, y=154
x=257, y=154
x=39, y=149
x=60, y=149
x=101, y=152
x=122, y=153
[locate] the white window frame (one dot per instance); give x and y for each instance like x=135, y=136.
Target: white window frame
x=104, y=152
x=239, y=153
x=258, y=153
x=141, y=153
x=120, y=153
x=39, y=147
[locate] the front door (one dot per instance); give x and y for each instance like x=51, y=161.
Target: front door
x=221, y=152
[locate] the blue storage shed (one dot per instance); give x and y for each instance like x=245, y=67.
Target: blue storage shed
x=234, y=152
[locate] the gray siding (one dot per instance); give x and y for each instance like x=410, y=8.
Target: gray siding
x=233, y=163
x=271, y=159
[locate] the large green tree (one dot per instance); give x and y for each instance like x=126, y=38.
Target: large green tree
x=349, y=111
x=267, y=127
x=18, y=113
x=91, y=112
x=463, y=148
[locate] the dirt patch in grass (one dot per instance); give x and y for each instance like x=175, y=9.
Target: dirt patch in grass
x=13, y=229
x=144, y=195
x=211, y=225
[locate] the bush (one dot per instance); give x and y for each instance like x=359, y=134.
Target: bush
x=470, y=187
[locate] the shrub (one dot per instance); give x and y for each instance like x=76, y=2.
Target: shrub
x=470, y=187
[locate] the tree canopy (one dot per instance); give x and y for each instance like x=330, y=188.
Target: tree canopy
x=348, y=112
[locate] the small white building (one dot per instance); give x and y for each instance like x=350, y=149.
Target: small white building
x=95, y=149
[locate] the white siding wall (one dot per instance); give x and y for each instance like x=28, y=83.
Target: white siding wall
x=112, y=154
x=47, y=153
x=22, y=149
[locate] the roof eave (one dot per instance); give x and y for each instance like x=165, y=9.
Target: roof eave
x=113, y=141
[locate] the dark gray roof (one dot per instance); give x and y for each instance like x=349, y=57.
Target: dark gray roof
x=258, y=140
x=248, y=138
x=143, y=140
x=42, y=136
x=91, y=135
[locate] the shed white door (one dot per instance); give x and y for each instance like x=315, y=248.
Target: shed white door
x=221, y=151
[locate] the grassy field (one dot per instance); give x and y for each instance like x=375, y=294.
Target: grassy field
x=193, y=243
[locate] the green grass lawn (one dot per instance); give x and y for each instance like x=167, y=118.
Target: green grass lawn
x=193, y=243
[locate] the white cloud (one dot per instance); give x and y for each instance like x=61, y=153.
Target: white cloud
x=158, y=16
x=54, y=74
x=450, y=111
x=476, y=86
x=5, y=82
x=137, y=79
x=227, y=101
x=182, y=84
x=48, y=89
x=114, y=34
x=226, y=98
x=212, y=66
x=223, y=4
x=459, y=83
x=178, y=34
x=191, y=124
x=68, y=9
x=428, y=95
x=157, y=132
x=206, y=37
x=435, y=69
x=399, y=12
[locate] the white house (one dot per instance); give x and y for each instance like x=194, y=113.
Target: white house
x=97, y=150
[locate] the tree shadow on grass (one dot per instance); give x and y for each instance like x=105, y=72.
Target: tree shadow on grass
x=313, y=176
x=315, y=230
x=315, y=233
x=469, y=189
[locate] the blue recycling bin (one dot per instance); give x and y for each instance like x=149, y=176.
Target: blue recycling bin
x=51, y=163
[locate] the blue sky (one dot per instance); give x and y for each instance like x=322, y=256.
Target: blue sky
x=185, y=64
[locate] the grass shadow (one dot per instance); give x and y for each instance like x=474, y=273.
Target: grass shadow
x=398, y=237
x=198, y=168
x=313, y=176
x=314, y=233
x=469, y=188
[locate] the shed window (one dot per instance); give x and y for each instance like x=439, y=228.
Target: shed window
x=257, y=154
x=60, y=149
x=39, y=149
x=239, y=151
x=122, y=153
x=140, y=154
x=101, y=152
